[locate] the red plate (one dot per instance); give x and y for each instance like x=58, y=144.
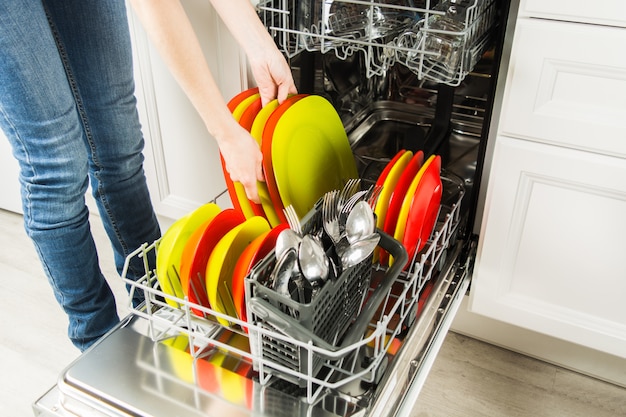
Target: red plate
x=253, y=254
x=235, y=101
x=424, y=209
x=198, y=257
x=397, y=195
x=186, y=261
x=382, y=204
x=383, y=175
x=266, y=148
x=249, y=114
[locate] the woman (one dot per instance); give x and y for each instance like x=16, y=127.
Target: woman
x=67, y=106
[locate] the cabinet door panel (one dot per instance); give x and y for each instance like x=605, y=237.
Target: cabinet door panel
x=604, y=12
x=552, y=244
x=567, y=86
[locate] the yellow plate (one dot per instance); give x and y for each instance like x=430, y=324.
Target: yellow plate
x=170, y=249
x=382, y=204
x=241, y=107
x=257, y=133
x=406, y=203
x=178, y=357
x=240, y=192
x=311, y=154
x=222, y=263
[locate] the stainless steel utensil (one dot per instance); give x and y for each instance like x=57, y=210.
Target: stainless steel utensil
x=360, y=222
x=314, y=264
x=357, y=252
x=285, y=240
x=286, y=267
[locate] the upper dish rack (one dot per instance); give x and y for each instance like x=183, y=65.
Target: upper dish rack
x=439, y=40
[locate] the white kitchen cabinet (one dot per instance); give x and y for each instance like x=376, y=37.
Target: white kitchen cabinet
x=549, y=263
x=602, y=12
x=552, y=248
x=567, y=86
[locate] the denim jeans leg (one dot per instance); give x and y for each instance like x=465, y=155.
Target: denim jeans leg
x=38, y=115
x=96, y=43
x=55, y=129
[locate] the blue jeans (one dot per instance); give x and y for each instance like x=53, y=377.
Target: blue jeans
x=67, y=106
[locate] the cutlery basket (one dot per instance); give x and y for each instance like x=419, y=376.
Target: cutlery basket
x=323, y=322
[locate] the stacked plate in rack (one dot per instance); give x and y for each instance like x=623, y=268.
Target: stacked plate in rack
x=205, y=256
x=409, y=204
x=305, y=149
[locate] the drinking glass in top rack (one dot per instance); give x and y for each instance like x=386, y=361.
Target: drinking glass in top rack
x=439, y=40
x=328, y=23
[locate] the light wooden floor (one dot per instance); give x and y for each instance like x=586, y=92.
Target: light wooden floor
x=469, y=378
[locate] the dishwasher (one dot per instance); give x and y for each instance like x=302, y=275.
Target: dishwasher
x=417, y=75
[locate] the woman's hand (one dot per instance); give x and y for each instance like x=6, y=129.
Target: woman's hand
x=243, y=159
x=272, y=75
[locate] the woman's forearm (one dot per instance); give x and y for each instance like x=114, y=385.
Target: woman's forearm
x=171, y=32
x=168, y=27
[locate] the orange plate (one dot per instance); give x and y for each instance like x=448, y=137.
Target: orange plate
x=249, y=114
x=254, y=253
x=197, y=256
x=242, y=104
x=236, y=100
x=186, y=261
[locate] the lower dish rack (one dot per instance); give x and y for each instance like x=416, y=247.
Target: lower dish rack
x=357, y=351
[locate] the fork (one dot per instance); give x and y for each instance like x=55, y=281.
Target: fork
x=330, y=215
x=348, y=190
x=374, y=193
x=292, y=219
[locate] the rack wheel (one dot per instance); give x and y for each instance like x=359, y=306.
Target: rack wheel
x=378, y=372
x=411, y=317
x=442, y=260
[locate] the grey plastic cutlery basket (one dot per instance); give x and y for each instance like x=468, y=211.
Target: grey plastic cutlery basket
x=334, y=319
